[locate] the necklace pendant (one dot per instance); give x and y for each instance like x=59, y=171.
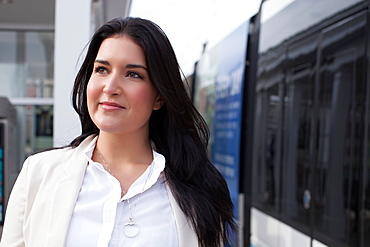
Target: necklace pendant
x=131, y=229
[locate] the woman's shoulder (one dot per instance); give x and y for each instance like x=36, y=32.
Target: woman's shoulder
x=56, y=157
x=57, y=154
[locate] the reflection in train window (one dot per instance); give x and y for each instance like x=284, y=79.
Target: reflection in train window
x=265, y=190
x=297, y=131
x=366, y=176
x=339, y=139
x=311, y=160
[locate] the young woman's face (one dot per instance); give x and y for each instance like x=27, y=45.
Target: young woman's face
x=120, y=95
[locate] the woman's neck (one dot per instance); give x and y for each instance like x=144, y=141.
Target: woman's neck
x=120, y=150
x=125, y=157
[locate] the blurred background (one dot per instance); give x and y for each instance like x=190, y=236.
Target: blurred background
x=284, y=86
x=191, y=24
x=41, y=42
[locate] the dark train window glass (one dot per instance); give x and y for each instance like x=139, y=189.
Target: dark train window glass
x=297, y=133
x=366, y=175
x=265, y=183
x=338, y=164
x=298, y=107
x=335, y=174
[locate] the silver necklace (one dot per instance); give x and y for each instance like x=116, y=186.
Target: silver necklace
x=130, y=229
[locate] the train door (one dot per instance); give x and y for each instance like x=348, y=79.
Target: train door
x=339, y=133
x=267, y=168
x=322, y=134
x=365, y=203
x=297, y=132
x=310, y=142
x=311, y=165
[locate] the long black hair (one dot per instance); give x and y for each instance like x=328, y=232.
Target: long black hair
x=177, y=129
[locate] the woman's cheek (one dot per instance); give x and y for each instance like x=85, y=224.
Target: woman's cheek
x=92, y=93
x=145, y=94
x=93, y=89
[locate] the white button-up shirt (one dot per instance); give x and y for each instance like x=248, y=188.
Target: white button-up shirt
x=101, y=213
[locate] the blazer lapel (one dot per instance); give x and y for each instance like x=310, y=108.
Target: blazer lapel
x=65, y=194
x=186, y=235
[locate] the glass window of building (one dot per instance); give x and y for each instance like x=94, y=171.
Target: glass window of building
x=27, y=70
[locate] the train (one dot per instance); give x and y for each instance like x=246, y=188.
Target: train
x=287, y=98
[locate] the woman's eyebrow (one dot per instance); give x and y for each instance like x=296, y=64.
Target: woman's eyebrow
x=129, y=66
x=102, y=62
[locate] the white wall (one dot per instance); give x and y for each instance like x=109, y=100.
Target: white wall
x=72, y=33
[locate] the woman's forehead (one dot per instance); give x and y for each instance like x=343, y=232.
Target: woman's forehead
x=121, y=48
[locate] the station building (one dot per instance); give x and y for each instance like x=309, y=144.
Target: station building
x=41, y=46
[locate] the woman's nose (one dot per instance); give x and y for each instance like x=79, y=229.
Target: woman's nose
x=112, y=86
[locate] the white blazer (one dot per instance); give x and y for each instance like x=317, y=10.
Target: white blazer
x=43, y=198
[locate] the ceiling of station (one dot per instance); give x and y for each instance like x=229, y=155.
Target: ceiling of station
x=39, y=13
x=27, y=12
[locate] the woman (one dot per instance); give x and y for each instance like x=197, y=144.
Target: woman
x=138, y=175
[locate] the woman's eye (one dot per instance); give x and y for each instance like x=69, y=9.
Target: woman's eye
x=134, y=75
x=100, y=70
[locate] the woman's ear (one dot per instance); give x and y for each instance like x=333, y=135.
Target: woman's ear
x=158, y=103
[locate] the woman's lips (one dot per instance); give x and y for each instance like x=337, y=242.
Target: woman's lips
x=111, y=106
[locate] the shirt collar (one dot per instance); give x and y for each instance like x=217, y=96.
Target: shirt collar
x=145, y=181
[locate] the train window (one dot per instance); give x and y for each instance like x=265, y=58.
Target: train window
x=309, y=170
x=265, y=175
x=297, y=131
x=266, y=154
x=366, y=176
x=338, y=145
